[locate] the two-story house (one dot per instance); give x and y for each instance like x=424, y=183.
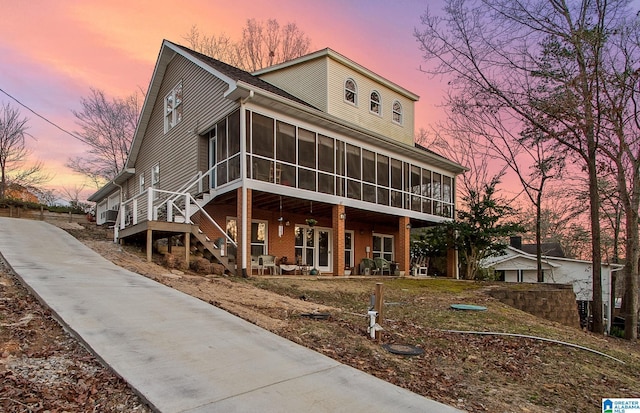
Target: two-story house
x=312, y=159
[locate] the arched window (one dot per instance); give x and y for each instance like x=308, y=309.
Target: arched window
x=397, y=112
x=351, y=91
x=374, y=103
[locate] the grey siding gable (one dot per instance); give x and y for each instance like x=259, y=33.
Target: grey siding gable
x=178, y=151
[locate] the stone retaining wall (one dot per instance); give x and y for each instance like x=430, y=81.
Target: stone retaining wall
x=555, y=302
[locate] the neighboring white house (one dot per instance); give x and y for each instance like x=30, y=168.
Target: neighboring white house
x=519, y=266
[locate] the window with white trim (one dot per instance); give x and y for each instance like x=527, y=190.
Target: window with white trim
x=351, y=91
x=155, y=178
x=141, y=183
x=173, y=107
x=383, y=246
x=374, y=103
x=348, y=248
x=397, y=112
x=259, y=238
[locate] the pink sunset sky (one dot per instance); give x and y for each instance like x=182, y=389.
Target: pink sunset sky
x=53, y=52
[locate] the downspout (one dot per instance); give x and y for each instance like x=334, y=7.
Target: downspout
x=116, y=227
x=243, y=169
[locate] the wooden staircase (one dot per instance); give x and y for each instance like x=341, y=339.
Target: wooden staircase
x=202, y=243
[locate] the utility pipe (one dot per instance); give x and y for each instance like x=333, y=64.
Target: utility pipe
x=486, y=333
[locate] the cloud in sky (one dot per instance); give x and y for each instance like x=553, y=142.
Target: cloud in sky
x=53, y=52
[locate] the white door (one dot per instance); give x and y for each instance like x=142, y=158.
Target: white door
x=313, y=247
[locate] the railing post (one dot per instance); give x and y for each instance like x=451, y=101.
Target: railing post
x=200, y=182
x=123, y=213
x=169, y=211
x=150, y=205
x=135, y=211
x=187, y=208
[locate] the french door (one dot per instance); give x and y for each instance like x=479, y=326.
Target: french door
x=313, y=247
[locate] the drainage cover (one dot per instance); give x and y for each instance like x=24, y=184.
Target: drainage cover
x=468, y=307
x=403, y=349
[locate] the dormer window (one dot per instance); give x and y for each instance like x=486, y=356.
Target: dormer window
x=173, y=107
x=351, y=92
x=374, y=103
x=397, y=112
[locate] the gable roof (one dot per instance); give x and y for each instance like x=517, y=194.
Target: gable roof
x=238, y=75
x=549, y=249
x=513, y=254
x=233, y=76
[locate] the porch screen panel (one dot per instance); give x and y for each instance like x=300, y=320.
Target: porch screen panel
x=368, y=166
x=326, y=154
x=221, y=173
x=396, y=183
x=383, y=196
x=326, y=183
x=262, y=135
x=396, y=174
x=426, y=192
x=354, y=170
x=221, y=141
x=354, y=189
x=233, y=166
x=285, y=142
x=353, y=162
x=306, y=148
x=340, y=168
x=306, y=179
x=447, y=197
x=368, y=175
x=262, y=169
x=416, y=189
x=382, y=170
x=369, y=193
x=285, y=174
x=436, y=192
x=234, y=134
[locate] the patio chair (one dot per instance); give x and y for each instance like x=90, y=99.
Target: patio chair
x=382, y=265
x=255, y=265
x=269, y=262
x=367, y=265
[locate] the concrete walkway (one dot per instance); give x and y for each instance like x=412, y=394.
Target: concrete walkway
x=179, y=353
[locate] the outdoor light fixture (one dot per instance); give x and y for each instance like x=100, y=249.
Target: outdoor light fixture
x=343, y=215
x=409, y=225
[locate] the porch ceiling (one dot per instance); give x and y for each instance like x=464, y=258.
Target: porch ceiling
x=292, y=205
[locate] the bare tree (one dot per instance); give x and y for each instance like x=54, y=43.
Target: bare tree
x=538, y=62
x=220, y=46
x=262, y=44
x=107, y=127
x=620, y=111
x=531, y=158
x=14, y=154
x=481, y=168
x=72, y=196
